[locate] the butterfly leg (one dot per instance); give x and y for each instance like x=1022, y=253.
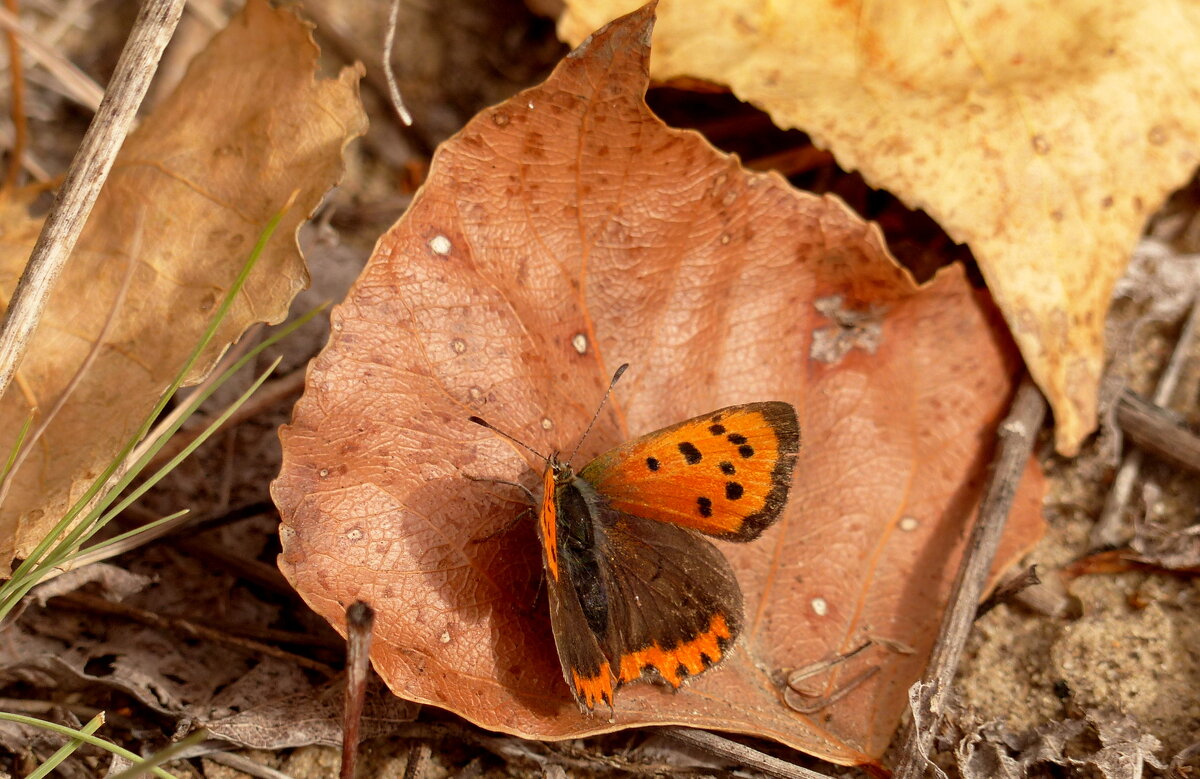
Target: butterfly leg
x=540, y=591
x=503, y=529
x=507, y=526
x=521, y=487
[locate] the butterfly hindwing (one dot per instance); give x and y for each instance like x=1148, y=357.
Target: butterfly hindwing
x=586, y=667
x=726, y=473
x=675, y=605
x=632, y=596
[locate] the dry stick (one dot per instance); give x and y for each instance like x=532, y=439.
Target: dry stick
x=246, y=765
x=76, y=85
x=1017, y=434
x=1107, y=532
x=352, y=49
x=389, y=41
x=1158, y=431
x=1009, y=589
x=151, y=30
x=418, y=756
x=360, y=622
x=17, y=110
x=740, y=753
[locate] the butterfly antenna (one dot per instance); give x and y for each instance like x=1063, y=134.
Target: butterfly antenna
x=484, y=423
x=596, y=416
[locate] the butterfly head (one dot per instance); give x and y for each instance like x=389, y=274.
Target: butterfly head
x=561, y=469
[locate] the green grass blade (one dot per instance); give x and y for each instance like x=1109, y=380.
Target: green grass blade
x=16, y=447
x=50, y=552
x=161, y=756
x=193, y=404
x=67, y=749
x=86, y=738
x=40, y=551
x=94, y=549
x=12, y=592
x=170, y=465
x=90, y=526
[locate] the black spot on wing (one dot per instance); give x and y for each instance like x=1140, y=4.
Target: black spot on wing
x=733, y=490
x=716, y=429
x=690, y=452
x=736, y=439
x=705, y=506
x=727, y=468
x=652, y=463
x=782, y=419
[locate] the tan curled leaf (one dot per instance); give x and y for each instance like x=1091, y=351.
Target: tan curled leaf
x=190, y=193
x=560, y=234
x=1041, y=135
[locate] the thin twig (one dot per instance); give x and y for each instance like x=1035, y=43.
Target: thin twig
x=150, y=618
x=1158, y=430
x=389, y=42
x=76, y=84
x=1108, y=532
x=262, y=575
x=151, y=30
x=360, y=622
x=418, y=756
x=47, y=707
x=1009, y=589
x=246, y=765
x=1017, y=435
x=17, y=109
x=740, y=753
x=351, y=48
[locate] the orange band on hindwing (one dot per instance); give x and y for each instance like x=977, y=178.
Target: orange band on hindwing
x=594, y=689
x=690, y=657
x=548, y=523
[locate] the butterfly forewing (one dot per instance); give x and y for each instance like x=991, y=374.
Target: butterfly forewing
x=726, y=473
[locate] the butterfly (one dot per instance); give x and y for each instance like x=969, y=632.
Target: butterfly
x=635, y=590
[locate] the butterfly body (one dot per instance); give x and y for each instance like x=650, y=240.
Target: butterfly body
x=634, y=588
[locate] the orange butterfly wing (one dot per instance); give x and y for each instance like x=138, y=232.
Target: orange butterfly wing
x=726, y=473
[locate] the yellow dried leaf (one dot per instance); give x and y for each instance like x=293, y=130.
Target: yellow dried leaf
x=1041, y=135
x=193, y=187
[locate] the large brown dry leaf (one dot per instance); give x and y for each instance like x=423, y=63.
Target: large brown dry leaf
x=561, y=234
x=190, y=192
x=1040, y=135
